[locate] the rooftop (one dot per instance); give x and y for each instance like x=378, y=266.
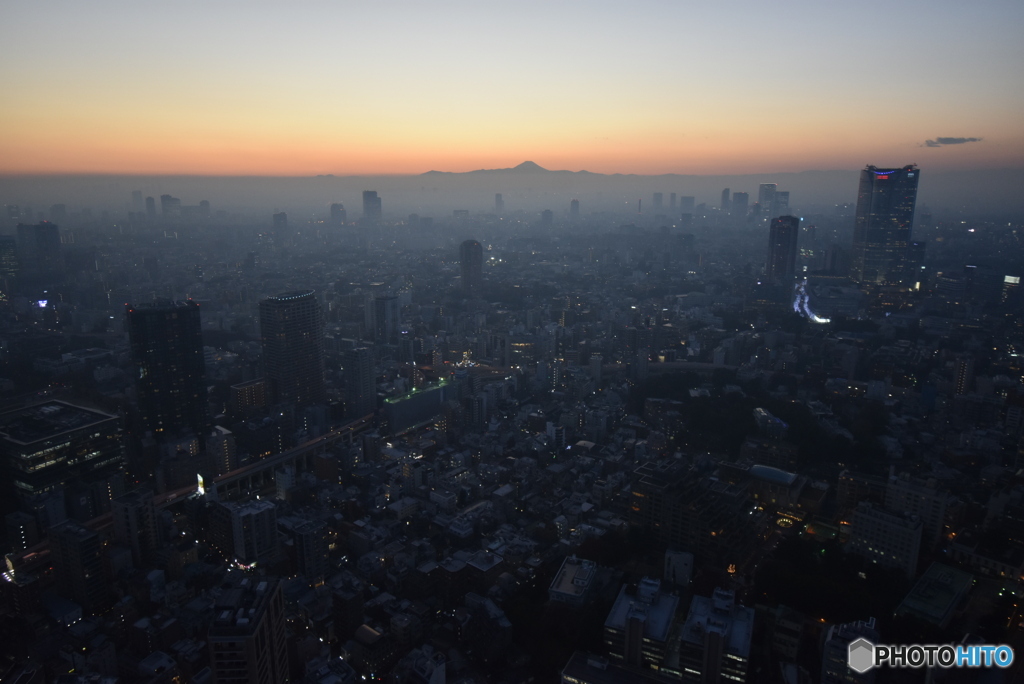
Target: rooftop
x=720, y=613
x=937, y=594
x=47, y=420
x=649, y=603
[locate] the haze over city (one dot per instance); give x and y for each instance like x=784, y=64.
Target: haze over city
x=451, y=342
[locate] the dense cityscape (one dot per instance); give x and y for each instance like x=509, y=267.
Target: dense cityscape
x=697, y=439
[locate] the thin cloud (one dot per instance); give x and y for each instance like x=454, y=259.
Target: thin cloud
x=941, y=142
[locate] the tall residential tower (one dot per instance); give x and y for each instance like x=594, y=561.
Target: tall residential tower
x=292, y=332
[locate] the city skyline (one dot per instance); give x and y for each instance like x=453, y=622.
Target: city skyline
x=665, y=88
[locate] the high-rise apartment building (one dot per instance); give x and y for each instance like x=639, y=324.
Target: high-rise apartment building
x=782, y=249
x=245, y=532
x=471, y=260
x=79, y=566
x=372, y=211
x=247, y=636
x=360, y=382
x=883, y=223
x=167, y=348
x=715, y=642
x=136, y=525
x=636, y=632
x=292, y=333
x=386, y=318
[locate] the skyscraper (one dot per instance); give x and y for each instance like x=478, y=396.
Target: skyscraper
x=167, y=347
x=151, y=207
x=292, y=333
x=372, y=210
x=766, y=199
x=499, y=203
x=280, y=222
x=740, y=201
x=659, y=199
x=170, y=206
x=782, y=244
x=883, y=223
x=471, y=258
x=386, y=317
x=247, y=636
x=574, y=209
x=79, y=567
x=338, y=214
x=726, y=206
x=39, y=247
x=360, y=388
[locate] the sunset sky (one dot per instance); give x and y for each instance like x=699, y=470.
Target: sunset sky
x=304, y=88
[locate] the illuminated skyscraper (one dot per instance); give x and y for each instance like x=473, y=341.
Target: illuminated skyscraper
x=782, y=243
x=883, y=223
x=167, y=347
x=292, y=332
x=372, y=210
x=766, y=199
x=471, y=258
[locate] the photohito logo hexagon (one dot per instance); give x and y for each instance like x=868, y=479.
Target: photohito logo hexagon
x=860, y=656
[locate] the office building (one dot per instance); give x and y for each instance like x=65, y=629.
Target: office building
x=499, y=203
x=151, y=207
x=766, y=199
x=471, y=260
x=781, y=206
x=740, y=201
x=725, y=204
x=686, y=204
x=167, y=348
x=360, y=382
x=547, y=218
x=137, y=203
x=636, y=632
x=886, y=538
x=247, y=636
x=338, y=214
x=50, y=445
x=136, y=525
x=836, y=649
x=79, y=566
x=782, y=249
x=372, y=211
x=883, y=223
x=715, y=642
x=574, y=209
x=659, y=200
x=292, y=333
